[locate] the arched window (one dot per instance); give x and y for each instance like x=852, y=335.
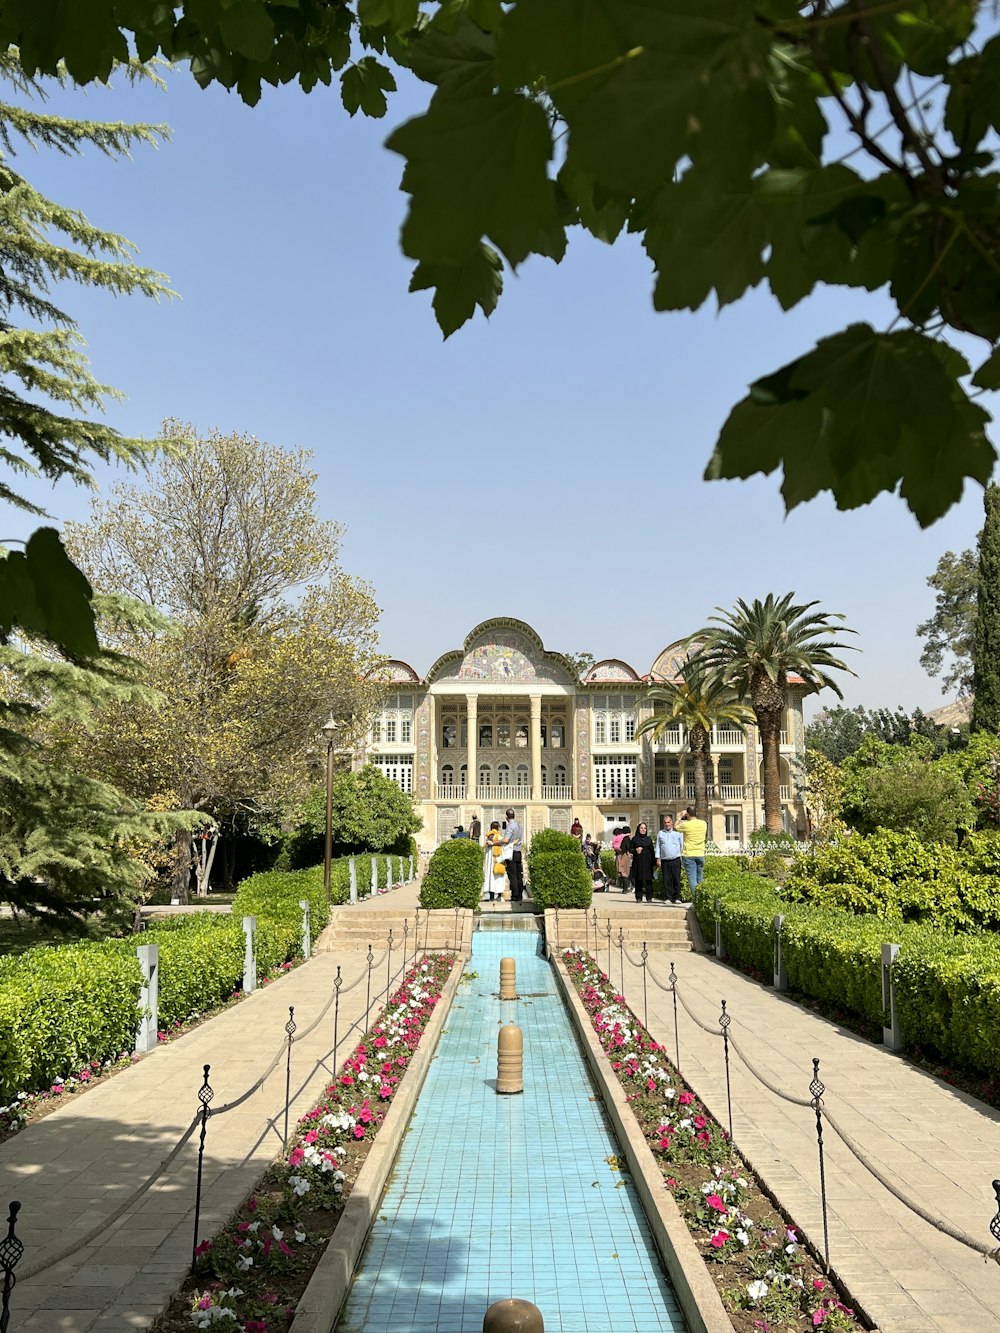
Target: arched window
x=485, y=775
x=447, y=776
x=521, y=734
x=503, y=775
x=522, y=777
x=560, y=775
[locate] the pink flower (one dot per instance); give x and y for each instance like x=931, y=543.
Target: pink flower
x=251, y=1205
x=714, y=1201
x=818, y=1284
x=719, y=1239
x=818, y=1317
x=700, y=1122
x=686, y=1098
x=359, y=1132
x=203, y=1248
x=284, y=1248
x=295, y=1157
x=671, y=1183
x=205, y=1303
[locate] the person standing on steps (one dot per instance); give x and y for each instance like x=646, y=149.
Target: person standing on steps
x=475, y=829
x=512, y=839
x=693, y=856
x=642, y=863
x=669, y=846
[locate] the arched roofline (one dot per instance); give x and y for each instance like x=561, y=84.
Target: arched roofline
x=496, y=623
x=592, y=678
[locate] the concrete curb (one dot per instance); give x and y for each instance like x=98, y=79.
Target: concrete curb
x=318, y=1309
x=696, y=1292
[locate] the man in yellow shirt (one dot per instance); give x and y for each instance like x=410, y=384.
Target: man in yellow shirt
x=694, y=831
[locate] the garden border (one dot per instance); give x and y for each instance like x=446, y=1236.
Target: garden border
x=696, y=1292
x=319, y=1307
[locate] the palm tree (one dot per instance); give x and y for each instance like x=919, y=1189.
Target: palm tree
x=699, y=705
x=752, y=650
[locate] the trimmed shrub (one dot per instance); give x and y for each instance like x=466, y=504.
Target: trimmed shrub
x=560, y=879
x=454, y=876
x=551, y=840
x=277, y=893
x=61, y=1008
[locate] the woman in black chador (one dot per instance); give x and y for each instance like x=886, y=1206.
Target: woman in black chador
x=642, y=864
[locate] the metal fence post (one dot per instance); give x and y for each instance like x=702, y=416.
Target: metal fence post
x=11, y=1250
x=205, y=1095
x=555, y=918
x=306, y=940
x=677, y=1038
x=290, y=1030
x=645, y=1011
x=621, y=958
x=388, y=965
x=406, y=940
x=720, y=948
x=994, y=1225
x=149, y=961
x=816, y=1090
x=368, y=997
x=609, y=951
x=352, y=871
x=891, y=1038
x=249, y=961
x=458, y=913
x=595, y=934
x=724, y=1021
x=780, y=976
x=337, y=983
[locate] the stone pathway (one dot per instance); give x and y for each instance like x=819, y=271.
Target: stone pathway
x=75, y=1167
x=940, y=1145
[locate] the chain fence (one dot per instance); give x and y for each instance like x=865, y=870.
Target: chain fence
x=721, y=1029
x=12, y=1248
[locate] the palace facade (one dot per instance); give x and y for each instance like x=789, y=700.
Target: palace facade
x=502, y=722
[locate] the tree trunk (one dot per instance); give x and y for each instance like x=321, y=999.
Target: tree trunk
x=228, y=863
x=180, y=869
x=768, y=699
x=203, y=859
x=699, y=742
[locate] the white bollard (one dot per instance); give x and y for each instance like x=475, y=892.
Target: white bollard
x=352, y=871
x=411, y=869
x=892, y=1039
x=249, y=961
x=374, y=888
x=388, y=872
x=780, y=976
x=306, y=941
x=149, y=960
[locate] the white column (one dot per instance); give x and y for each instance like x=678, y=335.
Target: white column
x=472, y=737
x=536, y=747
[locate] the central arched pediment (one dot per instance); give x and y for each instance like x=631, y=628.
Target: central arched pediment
x=503, y=651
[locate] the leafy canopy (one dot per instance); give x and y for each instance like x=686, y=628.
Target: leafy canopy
x=848, y=143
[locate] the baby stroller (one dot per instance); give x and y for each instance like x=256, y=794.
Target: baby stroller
x=600, y=880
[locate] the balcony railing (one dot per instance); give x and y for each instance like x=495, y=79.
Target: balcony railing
x=447, y=791
x=728, y=736
x=557, y=793
x=503, y=793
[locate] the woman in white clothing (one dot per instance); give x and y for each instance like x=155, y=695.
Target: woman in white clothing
x=493, y=865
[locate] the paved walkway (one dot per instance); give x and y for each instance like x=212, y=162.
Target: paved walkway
x=941, y=1146
x=76, y=1166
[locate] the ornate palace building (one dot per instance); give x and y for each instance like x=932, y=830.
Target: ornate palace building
x=503, y=722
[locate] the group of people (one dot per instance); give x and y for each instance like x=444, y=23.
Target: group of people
x=638, y=856
x=503, y=869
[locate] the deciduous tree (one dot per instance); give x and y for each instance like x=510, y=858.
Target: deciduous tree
x=267, y=634
x=845, y=143
x=949, y=635
x=986, y=651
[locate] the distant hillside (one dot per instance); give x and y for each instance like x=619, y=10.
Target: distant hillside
x=952, y=715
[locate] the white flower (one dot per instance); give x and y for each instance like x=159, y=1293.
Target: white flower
x=254, y=1227
x=299, y=1185
x=791, y=1249
x=277, y=1232
x=757, y=1290
x=244, y=1262
x=742, y=1237
x=300, y=1235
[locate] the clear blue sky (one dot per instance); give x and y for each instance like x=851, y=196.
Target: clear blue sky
x=545, y=465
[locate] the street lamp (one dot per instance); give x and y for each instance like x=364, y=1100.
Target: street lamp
x=329, y=729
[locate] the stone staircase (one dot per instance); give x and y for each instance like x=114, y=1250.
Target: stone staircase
x=662, y=929
x=352, y=928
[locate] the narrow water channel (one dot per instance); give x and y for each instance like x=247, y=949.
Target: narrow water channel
x=509, y=1196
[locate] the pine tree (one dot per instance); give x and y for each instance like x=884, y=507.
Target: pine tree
x=986, y=653
x=67, y=843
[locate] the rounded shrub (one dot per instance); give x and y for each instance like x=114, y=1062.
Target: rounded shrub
x=560, y=879
x=454, y=876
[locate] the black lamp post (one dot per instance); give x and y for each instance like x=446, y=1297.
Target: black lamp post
x=330, y=730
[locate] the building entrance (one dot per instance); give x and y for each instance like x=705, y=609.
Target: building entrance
x=611, y=822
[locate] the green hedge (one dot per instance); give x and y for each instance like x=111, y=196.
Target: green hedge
x=947, y=986
x=557, y=871
x=61, y=1008
x=454, y=876
x=277, y=893
x=903, y=877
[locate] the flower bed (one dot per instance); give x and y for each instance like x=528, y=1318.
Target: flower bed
x=252, y=1273
x=768, y=1280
